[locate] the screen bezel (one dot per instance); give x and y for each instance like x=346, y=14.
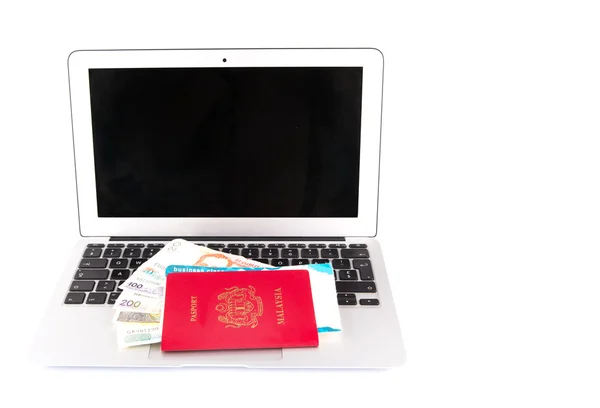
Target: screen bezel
x=364, y=225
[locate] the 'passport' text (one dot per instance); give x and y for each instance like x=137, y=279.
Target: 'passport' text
x=193, y=309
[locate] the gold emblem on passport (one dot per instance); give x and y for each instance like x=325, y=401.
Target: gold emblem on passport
x=239, y=307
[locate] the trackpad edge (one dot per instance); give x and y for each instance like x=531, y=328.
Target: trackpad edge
x=214, y=357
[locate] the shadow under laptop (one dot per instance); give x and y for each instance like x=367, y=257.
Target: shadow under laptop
x=239, y=369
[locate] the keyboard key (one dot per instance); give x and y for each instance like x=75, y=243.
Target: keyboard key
x=150, y=252
x=115, y=246
x=346, y=302
x=118, y=263
x=112, y=253
x=236, y=246
x=74, y=298
x=364, y=267
x=340, y=263
x=82, y=286
x=337, y=245
x=329, y=253
x=270, y=253
x=218, y=247
x=106, y=286
x=355, y=287
x=119, y=274
x=199, y=244
x=120, y=283
x=250, y=252
x=355, y=253
x=280, y=262
x=300, y=262
x=289, y=253
x=276, y=245
x=346, y=296
x=135, y=245
x=135, y=263
x=256, y=245
x=233, y=251
x=320, y=261
x=156, y=245
x=95, y=298
x=93, y=263
x=317, y=246
x=112, y=298
x=358, y=245
x=261, y=260
x=132, y=253
x=309, y=253
x=94, y=274
x=92, y=253
x=348, y=274
x=95, y=245
x=369, y=302
x=296, y=246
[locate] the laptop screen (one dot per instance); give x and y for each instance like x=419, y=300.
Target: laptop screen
x=226, y=142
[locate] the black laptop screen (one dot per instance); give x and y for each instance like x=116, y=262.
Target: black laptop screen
x=226, y=142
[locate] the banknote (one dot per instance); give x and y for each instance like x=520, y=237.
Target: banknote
x=132, y=294
x=137, y=317
x=180, y=252
x=137, y=302
x=138, y=309
x=144, y=288
x=137, y=334
x=137, y=295
x=139, y=282
x=143, y=284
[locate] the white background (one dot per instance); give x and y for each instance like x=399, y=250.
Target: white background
x=489, y=211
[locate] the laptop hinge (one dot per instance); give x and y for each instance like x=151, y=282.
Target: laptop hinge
x=229, y=238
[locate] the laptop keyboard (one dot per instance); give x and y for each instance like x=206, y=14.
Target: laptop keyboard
x=104, y=267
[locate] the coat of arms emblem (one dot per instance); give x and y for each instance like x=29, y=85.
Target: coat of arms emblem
x=239, y=307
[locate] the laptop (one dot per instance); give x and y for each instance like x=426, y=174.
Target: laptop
x=272, y=154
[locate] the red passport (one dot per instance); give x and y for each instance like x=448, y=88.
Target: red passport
x=238, y=310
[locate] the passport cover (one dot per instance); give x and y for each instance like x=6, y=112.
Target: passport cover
x=239, y=310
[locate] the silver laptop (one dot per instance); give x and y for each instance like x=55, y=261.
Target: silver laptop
x=272, y=154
